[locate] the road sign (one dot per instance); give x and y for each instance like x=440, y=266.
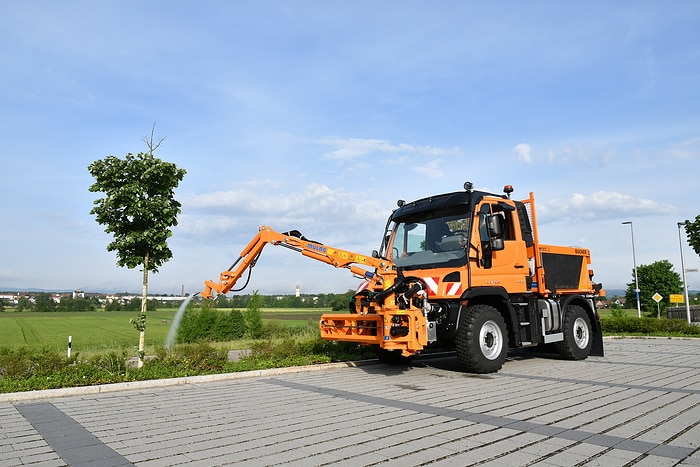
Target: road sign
x=676, y=298
x=657, y=297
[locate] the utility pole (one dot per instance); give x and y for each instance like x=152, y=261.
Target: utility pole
x=636, y=280
x=685, y=282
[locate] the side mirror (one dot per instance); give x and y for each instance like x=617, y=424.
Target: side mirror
x=494, y=225
x=485, y=234
x=491, y=235
x=495, y=233
x=497, y=244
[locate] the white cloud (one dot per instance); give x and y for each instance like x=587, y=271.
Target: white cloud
x=686, y=149
x=432, y=169
x=598, y=154
x=524, y=152
x=314, y=208
x=599, y=205
x=352, y=148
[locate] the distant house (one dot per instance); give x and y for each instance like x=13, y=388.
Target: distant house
x=125, y=298
x=9, y=299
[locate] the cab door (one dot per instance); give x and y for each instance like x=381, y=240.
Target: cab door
x=502, y=259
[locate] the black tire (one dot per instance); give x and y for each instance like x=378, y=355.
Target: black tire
x=482, y=340
x=393, y=357
x=578, y=334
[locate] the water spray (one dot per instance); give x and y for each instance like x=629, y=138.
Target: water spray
x=172, y=333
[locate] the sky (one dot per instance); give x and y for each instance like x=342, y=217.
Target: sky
x=319, y=116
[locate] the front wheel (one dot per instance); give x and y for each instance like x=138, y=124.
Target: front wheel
x=482, y=340
x=578, y=339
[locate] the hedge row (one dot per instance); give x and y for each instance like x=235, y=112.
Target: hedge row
x=648, y=326
x=29, y=370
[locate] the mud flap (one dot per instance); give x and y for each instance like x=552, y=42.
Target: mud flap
x=597, y=345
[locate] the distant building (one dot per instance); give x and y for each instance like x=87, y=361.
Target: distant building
x=9, y=299
x=123, y=298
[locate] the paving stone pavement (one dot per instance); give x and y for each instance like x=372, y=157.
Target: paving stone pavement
x=639, y=405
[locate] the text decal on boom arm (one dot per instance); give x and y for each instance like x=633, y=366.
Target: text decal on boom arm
x=311, y=246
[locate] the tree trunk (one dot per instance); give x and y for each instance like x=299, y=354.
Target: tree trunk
x=144, y=306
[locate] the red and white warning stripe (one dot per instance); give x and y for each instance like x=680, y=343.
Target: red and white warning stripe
x=454, y=288
x=433, y=283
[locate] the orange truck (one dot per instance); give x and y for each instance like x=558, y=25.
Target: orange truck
x=463, y=271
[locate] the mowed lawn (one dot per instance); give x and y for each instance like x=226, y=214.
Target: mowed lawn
x=89, y=330
x=102, y=330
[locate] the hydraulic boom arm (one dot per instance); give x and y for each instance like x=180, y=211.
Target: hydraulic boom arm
x=381, y=276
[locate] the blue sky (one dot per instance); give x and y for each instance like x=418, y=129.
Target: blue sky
x=318, y=116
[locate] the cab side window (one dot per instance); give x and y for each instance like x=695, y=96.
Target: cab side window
x=505, y=218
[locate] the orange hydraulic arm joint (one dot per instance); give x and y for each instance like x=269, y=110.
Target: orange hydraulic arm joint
x=297, y=242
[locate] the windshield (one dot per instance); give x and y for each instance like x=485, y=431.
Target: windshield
x=430, y=240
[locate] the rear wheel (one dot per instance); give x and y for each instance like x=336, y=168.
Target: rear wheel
x=482, y=341
x=578, y=340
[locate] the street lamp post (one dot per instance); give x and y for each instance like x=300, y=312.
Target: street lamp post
x=636, y=280
x=685, y=283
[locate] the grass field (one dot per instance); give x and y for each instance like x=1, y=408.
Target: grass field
x=100, y=330
x=607, y=312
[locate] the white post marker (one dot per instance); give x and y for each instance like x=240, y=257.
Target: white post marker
x=70, y=343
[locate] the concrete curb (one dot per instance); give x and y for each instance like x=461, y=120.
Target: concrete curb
x=162, y=383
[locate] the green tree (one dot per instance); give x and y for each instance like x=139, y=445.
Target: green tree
x=341, y=302
x=692, y=230
x=253, y=318
x=658, y=277
x=188, y=330
x=135, y=305
x=139, y=209
x=76, y=304
x=210, y=324
x=239, y=301
x=207, y=322
x=24, y=304
x=44, y=302
x=238, y=326
x=113, y=305
x=222, y=330
x=222, y=301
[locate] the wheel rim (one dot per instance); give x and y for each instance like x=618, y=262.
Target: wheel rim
x=491, y=340
x=581, y=334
